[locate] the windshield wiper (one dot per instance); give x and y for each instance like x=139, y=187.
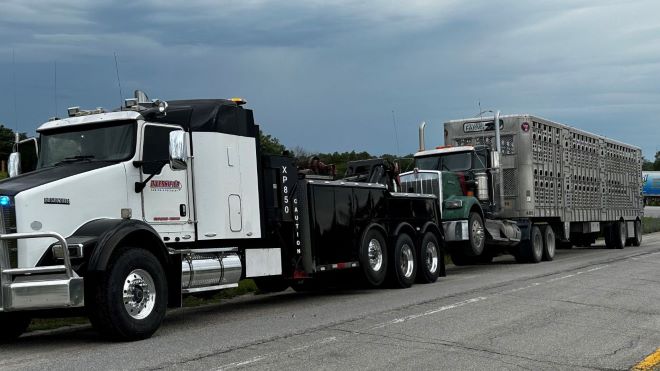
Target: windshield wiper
x=72, y=159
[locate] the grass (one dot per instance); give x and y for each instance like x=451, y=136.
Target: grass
x=650, y=225
x=244, y=287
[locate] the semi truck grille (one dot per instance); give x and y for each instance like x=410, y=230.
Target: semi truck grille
x=9, y=226
x=510, y=184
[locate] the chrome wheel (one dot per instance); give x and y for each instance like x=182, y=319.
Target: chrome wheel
x=375, y=255
x=407, y=261
x=477, y=232
x=139, y=294
x=431, y=257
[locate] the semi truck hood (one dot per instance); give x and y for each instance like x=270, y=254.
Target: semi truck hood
x=23, y=182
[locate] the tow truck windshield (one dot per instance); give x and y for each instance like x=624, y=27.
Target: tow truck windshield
x=113, y=142
x=450, y=162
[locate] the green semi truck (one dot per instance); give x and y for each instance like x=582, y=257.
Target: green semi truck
x=521, y=185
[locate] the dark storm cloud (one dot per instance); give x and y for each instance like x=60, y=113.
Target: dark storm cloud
x=327, y=77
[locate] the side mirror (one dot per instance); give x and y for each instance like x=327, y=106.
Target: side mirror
x=178, y=150
x=495, y=160
x=14, y=166
x=29, y=152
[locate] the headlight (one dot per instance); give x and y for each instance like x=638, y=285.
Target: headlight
x=453, y=204
x=5, y=201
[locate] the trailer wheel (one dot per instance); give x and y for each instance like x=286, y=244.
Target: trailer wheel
x=637, y=240
x=616, y=235
x=429, y=259
x=404, y=262
x=373, y=257
x=531, y=251
x=13, y=325
x=130, y=299
x=548, y=243
x=477, y=234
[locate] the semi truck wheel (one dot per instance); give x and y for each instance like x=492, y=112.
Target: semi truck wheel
x=12, y=325
x=617, y=234
x=637, y=240
x=130, y=299
x=404, y=263
x=548, y=243
x=373, y=257
x=429, y=259
x=531, y=251
x=477, y=234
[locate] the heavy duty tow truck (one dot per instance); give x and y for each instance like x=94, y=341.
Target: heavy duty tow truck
x=521, y=184
x=127, y=211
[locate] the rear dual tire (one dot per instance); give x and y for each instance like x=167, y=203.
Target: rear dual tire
x=403, y=269
x=531, y=251
x=616, y=235
x=430, y=259
x=373, y=257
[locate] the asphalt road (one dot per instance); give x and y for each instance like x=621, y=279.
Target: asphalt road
x=589, y=309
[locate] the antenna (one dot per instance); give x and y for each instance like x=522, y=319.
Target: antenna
x=396, y=134
x=55, y=86
x=121, y=95
x=13, y=68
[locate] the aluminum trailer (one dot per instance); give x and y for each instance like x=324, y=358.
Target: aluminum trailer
x=552, y=180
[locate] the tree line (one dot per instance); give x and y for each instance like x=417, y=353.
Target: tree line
x=652, y=165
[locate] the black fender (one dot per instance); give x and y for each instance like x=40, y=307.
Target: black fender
x=376, y=226
x=404, y=226
x=433, y=227
x=106, y=235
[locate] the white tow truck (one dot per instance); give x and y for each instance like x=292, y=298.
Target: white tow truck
x=127, y=211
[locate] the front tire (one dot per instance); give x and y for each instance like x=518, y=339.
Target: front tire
x=130, y=299
x=13, y=325
x=373, y=257
x=404, y=262
x=477, y=234
x=429, y=259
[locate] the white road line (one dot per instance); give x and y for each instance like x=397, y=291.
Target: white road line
x=429, y=312
x=229, y=366
x=252, y=360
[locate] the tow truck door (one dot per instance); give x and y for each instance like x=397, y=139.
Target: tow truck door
x=165, y=196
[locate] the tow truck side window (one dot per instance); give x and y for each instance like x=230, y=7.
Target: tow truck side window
x=156, y=147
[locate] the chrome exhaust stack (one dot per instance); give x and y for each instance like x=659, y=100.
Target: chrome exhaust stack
x=422, y=126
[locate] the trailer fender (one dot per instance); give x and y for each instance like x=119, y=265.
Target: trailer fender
x=433, y=227
x=374, y=226
x=106, y=235
x=404, y=227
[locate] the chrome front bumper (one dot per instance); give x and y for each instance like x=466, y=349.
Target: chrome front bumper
x=50, y=287
x=456, y=230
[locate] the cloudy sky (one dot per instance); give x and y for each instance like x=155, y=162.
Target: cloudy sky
x=326, y=75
